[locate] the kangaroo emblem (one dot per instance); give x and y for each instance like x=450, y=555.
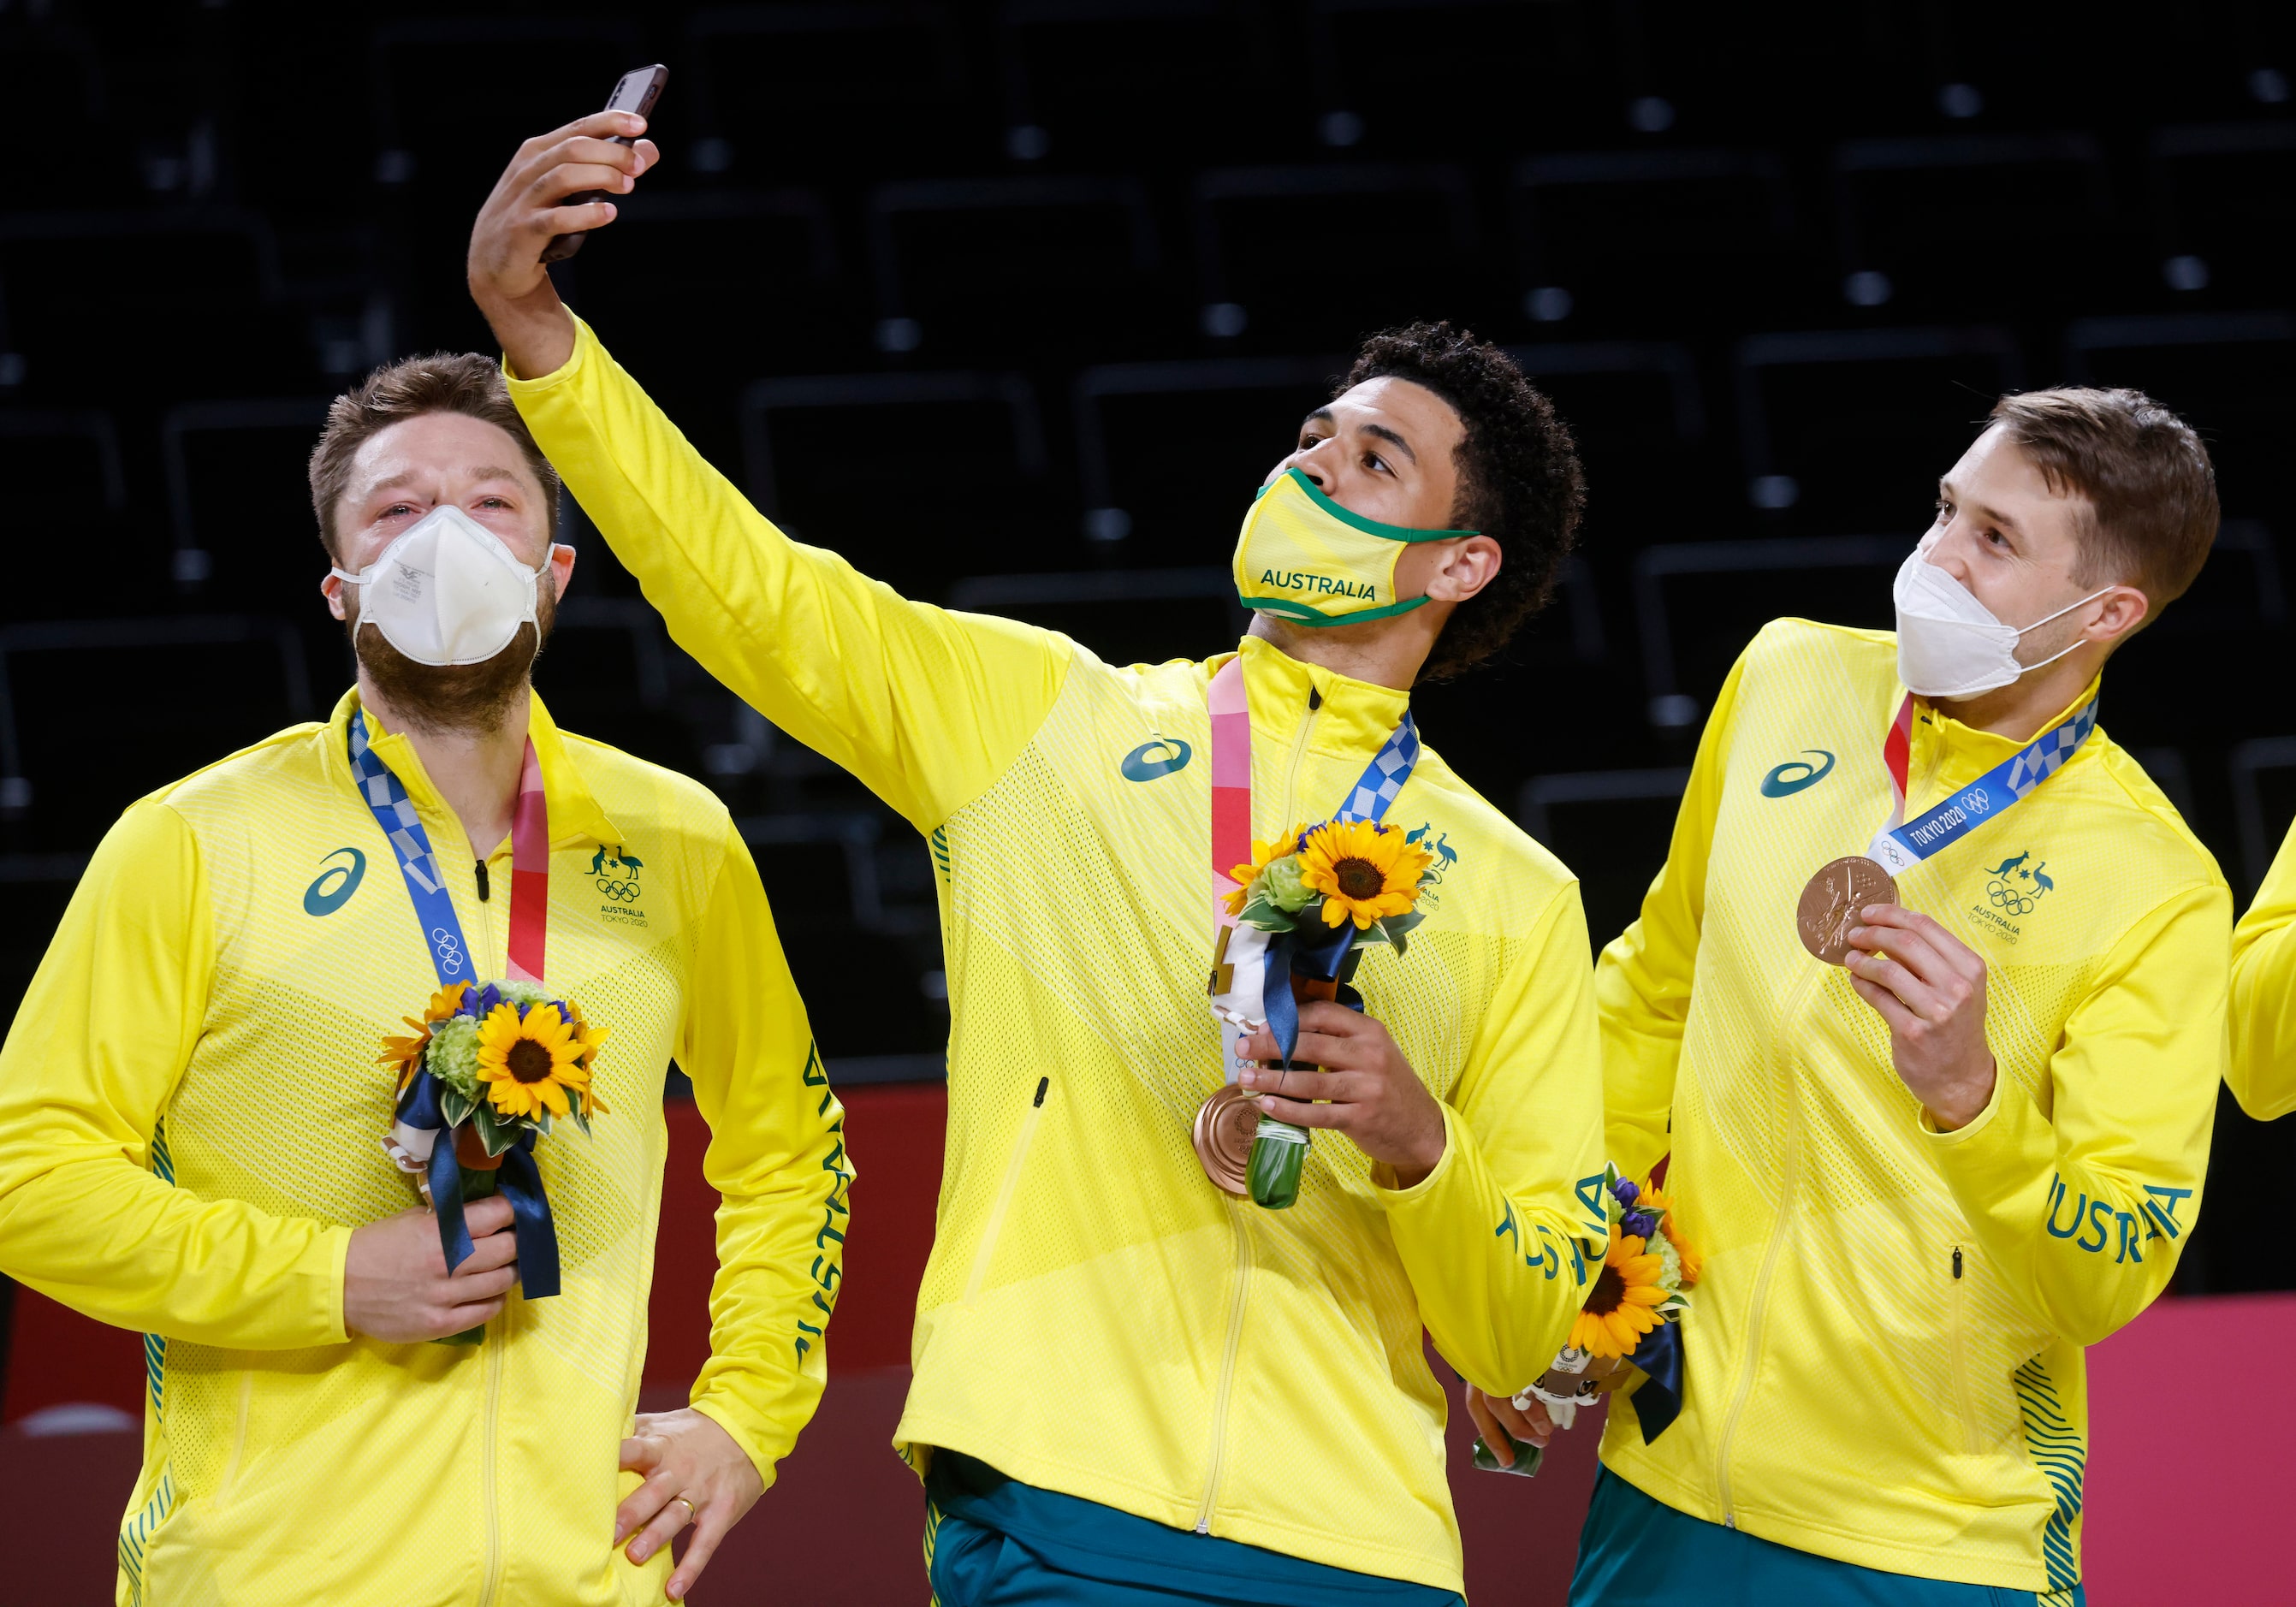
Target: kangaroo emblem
x=2007, y=865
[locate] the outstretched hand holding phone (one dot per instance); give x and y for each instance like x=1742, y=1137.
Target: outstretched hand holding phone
x=525, y=213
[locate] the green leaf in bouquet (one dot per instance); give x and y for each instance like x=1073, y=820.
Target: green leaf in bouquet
x=1260, y=913
x=456, y=1107
x=581, y=1117
x=495, y=1133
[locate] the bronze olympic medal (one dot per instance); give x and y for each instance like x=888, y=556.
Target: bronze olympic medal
x=1831, y=903
x=1226, y=1124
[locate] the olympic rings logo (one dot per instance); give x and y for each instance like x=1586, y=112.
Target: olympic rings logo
x=449, y=948
x=622, y=892
x=1976, y=800
x=2008, y=899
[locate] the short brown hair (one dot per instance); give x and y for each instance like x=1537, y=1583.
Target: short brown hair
x=443, y=381
x=2151, y=488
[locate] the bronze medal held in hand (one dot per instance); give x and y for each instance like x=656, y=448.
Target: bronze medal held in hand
x=1226, y=1125
x=1832, y=902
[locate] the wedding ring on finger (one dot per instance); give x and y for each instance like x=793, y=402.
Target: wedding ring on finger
x=690, y=1510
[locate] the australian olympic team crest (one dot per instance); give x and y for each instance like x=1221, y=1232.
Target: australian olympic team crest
x=2013, y=889
x=616, y=875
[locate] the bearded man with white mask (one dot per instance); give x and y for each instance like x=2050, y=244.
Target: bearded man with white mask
x=192, y=1113
x=1928, y=1005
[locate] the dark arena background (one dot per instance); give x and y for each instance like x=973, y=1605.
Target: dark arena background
x=1014, y=305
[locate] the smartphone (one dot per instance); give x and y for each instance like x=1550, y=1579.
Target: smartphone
x=637, y=91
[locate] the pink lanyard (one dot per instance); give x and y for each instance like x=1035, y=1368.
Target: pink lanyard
x=529, y=873
x=1231, y=784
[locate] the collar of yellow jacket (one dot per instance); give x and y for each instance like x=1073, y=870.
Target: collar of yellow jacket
x=1946, y=754
x=575, y=816
x=1352, y=718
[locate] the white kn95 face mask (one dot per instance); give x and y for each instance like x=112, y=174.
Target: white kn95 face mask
x=447, y=590
x=1949, y=645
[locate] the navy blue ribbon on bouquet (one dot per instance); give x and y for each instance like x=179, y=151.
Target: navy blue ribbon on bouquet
x=1658, y=1399
x=1322, y=953
x=521, y=1182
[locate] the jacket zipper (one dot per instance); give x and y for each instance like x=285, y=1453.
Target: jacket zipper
x=1962, y=1397
x=1750, y=1361
x=1216, y=1460
x=1219, y=1459
x=994, y=1229
x=487, y=1492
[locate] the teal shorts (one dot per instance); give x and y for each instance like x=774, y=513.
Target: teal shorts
x=994, y=1542
x=1638, y=1552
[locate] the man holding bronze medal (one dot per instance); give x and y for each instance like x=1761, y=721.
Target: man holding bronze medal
x=352, y=1401
x=1149, y=1364
x=1939, y=1111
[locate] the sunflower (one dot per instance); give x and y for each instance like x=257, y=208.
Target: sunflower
x=1654, y=1198
x=527, y=1065
x=1366, y=872
x=406, y=1053
x=1263, y=855
x=587, y=1039
x=1621, y=1309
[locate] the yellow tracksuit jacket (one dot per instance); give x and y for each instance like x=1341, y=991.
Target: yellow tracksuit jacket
x=1883, y=1364
x=1096, y=1318
x=2263, y=1074
x=191, y=1116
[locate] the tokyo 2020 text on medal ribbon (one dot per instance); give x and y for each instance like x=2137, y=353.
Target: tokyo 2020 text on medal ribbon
x=442, y=935
x=1242, y=997
x=1830, y=901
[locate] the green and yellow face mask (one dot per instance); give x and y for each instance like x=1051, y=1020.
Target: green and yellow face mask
x=1302, y=557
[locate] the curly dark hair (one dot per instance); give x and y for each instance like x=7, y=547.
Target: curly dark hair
x=1519, y=482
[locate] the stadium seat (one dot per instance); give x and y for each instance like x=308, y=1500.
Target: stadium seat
x=1973, y=224
x=763, y=262
x=2263, y=773
x=772, y=91
x=1241, y=417
x=67, y=496
x=1320, y=256
x=913, y=475
x=1610, y=827
x=1637, y=412
x=239, y=499
x=1098, y=79
x=1638, y=237
x=1412, y=75
x=1124, y=616
x=853, y=888
x=2232, y=375
x=1740, y=586
x=1850, y=429
x=2231, y=629
x=2223, y=203
x=60, y=679
x=538, y=73
x=981, y=264
x=205, y=283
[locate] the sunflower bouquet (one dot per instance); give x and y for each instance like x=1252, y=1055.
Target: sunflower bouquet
x=1324, y=894
x=1637, y=1297
x=484, y=1073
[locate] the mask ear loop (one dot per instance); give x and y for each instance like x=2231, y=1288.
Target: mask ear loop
x=2027, y=670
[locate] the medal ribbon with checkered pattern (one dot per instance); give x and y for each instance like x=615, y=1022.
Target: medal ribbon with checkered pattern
x=1900, y=846
x=434, y=908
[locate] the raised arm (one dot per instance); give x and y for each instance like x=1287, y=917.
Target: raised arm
x=2263, y=1074
x=926, y=707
